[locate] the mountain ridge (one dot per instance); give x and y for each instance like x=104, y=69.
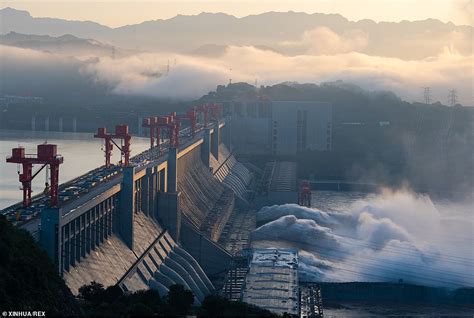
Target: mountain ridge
x=27, y=13
x=67, y=45
x=183, y=33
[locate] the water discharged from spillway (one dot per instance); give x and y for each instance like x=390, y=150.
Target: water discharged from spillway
x=388, y=237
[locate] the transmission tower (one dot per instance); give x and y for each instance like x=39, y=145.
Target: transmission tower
x=453, y=97
x=427, y=94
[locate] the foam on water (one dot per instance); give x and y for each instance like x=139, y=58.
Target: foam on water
x=391, y=236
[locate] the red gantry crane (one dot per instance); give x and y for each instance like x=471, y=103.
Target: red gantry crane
x=216, y=110
x=204, y=110
x=172, y=124
x=151, y=123
x=190, y=115
x=46, y=155
x=209, y=111
x=304, y=195
x=121, y=132
x=156, y=126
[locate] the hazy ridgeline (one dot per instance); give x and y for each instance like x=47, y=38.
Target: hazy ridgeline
x=187, y=56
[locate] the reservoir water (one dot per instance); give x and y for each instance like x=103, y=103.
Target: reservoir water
x=81, y=152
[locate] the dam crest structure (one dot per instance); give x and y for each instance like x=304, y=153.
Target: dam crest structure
x=151, y=224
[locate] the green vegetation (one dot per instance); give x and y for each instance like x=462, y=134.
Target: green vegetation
x=28, y=280
x=98, y=301
x=216, y=306
x=179, y=299
x=112, y=302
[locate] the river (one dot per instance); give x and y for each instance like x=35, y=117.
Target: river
x=81, y=152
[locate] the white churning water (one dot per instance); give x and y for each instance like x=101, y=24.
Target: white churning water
x=384, y=237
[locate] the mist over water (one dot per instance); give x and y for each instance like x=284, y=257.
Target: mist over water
x=386, y=237
x=325, y=57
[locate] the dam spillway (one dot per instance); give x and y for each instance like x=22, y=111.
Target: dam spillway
x=150, y=225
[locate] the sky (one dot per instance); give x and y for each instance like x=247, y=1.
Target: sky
x=118, y=13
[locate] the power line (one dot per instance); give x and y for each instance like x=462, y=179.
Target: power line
x=452, y=97
x=427, y=95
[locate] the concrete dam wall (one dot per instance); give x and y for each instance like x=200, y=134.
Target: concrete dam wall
x=154, y=224
x=156, y=261
x=204, y=201
x=231, y=173
x=206, y=205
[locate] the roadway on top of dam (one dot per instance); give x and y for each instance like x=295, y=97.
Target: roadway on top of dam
x=77, y=192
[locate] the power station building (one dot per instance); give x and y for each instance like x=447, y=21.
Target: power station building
x=282, y=128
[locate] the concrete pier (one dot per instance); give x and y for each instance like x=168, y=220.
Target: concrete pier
x=169, y=213
x=127, y=206
x=206, y=147
x=50, y=219
x=215, y=141
x=172, y=170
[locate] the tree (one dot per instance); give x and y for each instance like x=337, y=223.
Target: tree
x=112, y=293
x=140, y=310
x=149, y=297
x=28, y=278
x=180, y=299
x=214, y=306
x=94, y=292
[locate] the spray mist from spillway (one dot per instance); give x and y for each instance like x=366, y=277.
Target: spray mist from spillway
x=390, y=237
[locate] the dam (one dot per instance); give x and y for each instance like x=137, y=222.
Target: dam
x=190, y=213
x=151, y=224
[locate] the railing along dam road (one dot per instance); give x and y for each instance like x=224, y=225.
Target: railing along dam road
x=98, y=180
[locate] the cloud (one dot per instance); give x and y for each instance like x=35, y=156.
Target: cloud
x=328, y=57
x=192, y=77
x=463, y=11
x=322, y=40
x=30, y=72
x=147, y=74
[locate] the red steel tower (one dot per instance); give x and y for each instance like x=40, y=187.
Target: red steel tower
x=190, y=115
x=46, y=155
x=203, y=109
x=121, y=132
x=151, y=123
x=172, y=123
x=216, y=110
x=304, y=195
